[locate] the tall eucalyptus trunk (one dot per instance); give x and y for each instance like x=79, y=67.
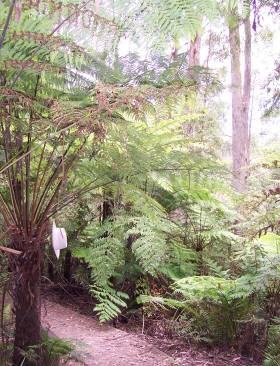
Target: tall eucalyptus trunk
x=240, y=102
x=193, y=60
x=194, y=51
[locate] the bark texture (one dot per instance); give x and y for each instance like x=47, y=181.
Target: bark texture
x=194, y=60
x=26, y=298
x=240, y=104
x=194, y=52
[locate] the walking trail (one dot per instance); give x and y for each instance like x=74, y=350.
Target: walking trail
x=99, y=344
x=102, y=345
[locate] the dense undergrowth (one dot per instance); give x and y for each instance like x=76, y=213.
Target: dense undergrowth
x=127, y=157
x=175, y=251
x=179, y=255
x=165, y=244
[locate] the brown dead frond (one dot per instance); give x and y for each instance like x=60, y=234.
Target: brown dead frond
x=21, y=97
x=32, y=65
x=53, y=42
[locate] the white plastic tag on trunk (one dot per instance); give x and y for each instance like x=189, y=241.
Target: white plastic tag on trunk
x=59, y=239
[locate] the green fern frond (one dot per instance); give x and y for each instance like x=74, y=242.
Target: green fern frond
x=104, y=256
x=110, y=301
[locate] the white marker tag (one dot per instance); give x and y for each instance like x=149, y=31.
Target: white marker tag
x=59, y=239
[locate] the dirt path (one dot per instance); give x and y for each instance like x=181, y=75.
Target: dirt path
x=100, y=345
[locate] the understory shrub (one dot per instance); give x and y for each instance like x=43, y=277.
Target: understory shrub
x=272, y=352
x=210, y=309
x=55, y=351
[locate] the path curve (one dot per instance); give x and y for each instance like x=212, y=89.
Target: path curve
x=99, y=344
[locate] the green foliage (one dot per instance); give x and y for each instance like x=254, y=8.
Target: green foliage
x=204, y=287
x=145, y=163
x=5, y=354
x=235, y=10
x=110, y=301
x=4, y=276
x=200, y=235
x=109, y=130
x=107, y=245
x=176, y=18
x=211, y=308
x=150, y=247
x=55, y=350
x=262, y=270
x=272, y=352
x=225, y=303
x=272, y=102
x=56, y=117
x=270, y=243
x=181, y=262
x=6, y=334
x=107, y=254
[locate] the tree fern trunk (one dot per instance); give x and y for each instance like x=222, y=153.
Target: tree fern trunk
x=107, y=208
x=26, y=296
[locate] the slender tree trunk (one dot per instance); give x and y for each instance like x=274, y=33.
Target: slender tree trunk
x=107, y=208
x=238, y=128
x=194, y=60
x=2, y=78
x=18, y=10
x=240, y=104
x=247, y=78
x=194, y=52
x=26, y=298
x=67, y=265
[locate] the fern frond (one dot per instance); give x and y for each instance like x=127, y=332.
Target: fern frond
x=110, y=301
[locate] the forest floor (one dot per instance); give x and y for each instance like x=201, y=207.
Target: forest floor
x=104, y=345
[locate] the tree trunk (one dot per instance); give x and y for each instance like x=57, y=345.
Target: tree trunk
x=68, y=265
x=107, y=208
x=194, y=52
x=240, y=104
x=247, y=79
x=26, y=297
x=194, y=60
